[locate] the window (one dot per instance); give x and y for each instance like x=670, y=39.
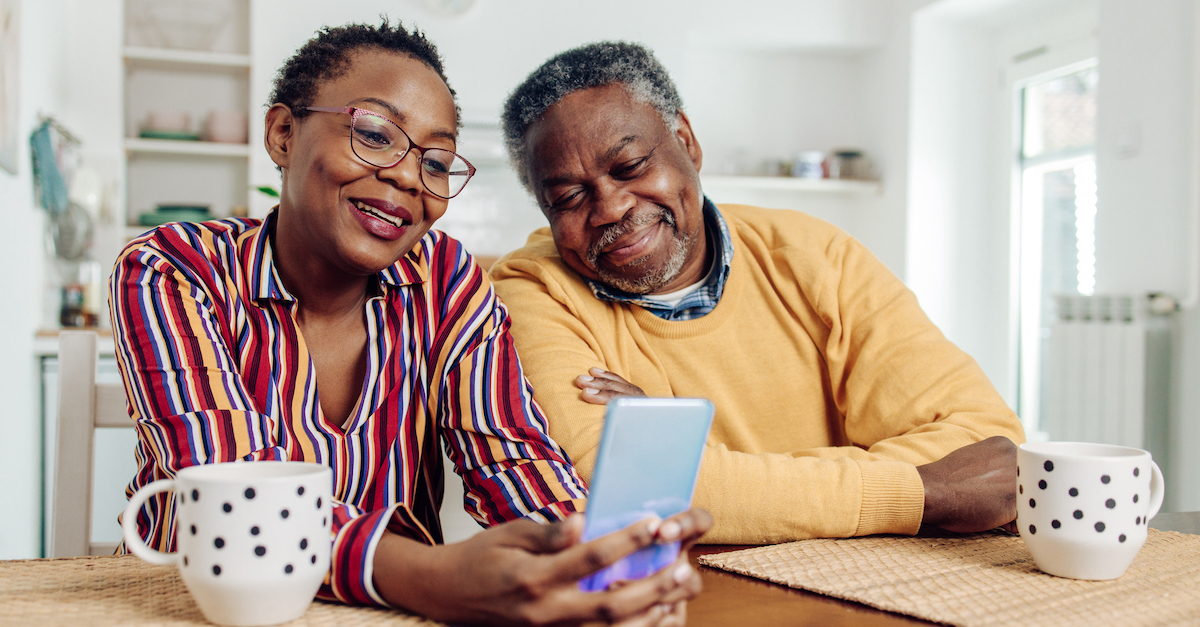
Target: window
x=1056, y=166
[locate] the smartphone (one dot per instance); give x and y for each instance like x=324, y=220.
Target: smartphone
x=647, y=464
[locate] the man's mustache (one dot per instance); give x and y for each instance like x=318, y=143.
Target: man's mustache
x=627, y=224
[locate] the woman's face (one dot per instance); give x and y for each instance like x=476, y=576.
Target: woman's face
x=334, y=206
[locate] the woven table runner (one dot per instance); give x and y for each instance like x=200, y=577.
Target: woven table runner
x=124, y=590
x=982, y=579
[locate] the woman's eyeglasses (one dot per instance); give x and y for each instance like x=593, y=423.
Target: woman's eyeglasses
x=382, y=143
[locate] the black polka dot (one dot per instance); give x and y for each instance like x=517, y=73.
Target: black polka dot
x=1018, y=471
x=1054, y=523
x=1099, y=527
x=1032, y=503
x=1105, y=479
x=195, y=495
x=288, y=569
x=1032, y=529
x=260, y=550
x=314, y=559
x=1073, y=492
x=254, y=530
x=1137, y=471
x=185, y=560
x=1078, y=514
x=1049, y=466
x=216, y=569
x=183, y=498
x=285, y=513
x=318, y=502
x=303, y=544
x=1135, y=497
x=1021, y=489
x=1110, y=503
x=300, y=491
x=194, y=527
x=227, y=507
x=1121, y=537
x=1139, y=521
x=219, y=543
x=1042, y=484
x=324, y=522
x=249, y=493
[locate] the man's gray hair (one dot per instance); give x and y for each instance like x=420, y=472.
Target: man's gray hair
x=603, y=63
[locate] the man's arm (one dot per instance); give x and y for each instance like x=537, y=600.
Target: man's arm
x=968, y=490
x=767, y=497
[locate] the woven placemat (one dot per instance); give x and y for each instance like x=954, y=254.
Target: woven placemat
x=124, y=590
x=982, y=579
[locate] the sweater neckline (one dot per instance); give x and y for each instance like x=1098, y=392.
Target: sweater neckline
x=676, y=329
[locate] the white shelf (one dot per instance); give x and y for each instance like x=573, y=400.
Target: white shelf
x=794, y=184
x=170, y=56
x=183, y=147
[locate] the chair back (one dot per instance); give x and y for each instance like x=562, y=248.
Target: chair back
x=83, y=406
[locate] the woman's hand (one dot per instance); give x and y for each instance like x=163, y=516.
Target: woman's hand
x=525, y=573
x=600, y=386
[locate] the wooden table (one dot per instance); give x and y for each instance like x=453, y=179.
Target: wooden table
x=123, y=590
x=730, y=599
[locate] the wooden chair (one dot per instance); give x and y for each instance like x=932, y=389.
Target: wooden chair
x=83, y=406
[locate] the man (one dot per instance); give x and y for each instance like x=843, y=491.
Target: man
x=841, y=409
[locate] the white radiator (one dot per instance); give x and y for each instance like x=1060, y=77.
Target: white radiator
x=1095, y=373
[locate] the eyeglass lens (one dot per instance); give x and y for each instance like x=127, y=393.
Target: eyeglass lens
x=381, y=143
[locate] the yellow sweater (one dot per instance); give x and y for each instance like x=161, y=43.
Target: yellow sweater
x=830, y=383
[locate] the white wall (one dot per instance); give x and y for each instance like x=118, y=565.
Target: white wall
x=1147, y=82
x=42, y=90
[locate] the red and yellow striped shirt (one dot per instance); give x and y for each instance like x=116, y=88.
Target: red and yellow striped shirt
x=216, y=370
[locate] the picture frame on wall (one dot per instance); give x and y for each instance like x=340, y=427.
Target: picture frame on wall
x=9, y=84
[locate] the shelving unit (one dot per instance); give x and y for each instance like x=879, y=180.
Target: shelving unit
x=196, y=83
x=794, y=184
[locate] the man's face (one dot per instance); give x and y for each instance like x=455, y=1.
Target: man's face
x=621, y=191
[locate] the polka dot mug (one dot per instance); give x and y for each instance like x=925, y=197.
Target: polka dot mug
x=1083, y=509
x=252, y=538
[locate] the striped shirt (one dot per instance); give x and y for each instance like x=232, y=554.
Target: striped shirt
x=703, y=299
x=215, y=370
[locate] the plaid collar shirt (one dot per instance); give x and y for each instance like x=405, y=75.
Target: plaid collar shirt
x=700, y=302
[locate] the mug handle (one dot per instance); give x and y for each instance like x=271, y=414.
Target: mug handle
x=1158, y=488
x=133, y=541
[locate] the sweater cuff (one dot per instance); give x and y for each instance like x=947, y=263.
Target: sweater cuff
x=893, y=498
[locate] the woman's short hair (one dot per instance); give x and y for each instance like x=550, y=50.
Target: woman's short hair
x=327, y=56
x=603, y=63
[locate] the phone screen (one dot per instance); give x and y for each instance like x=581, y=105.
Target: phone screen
x=646, y=466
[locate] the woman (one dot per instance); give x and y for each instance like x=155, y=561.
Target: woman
x=341, y=330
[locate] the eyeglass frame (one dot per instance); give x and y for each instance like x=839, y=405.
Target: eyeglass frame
x=357, y=112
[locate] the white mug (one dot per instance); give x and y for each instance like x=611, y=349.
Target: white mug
x=252, y=538
x=1083, y=509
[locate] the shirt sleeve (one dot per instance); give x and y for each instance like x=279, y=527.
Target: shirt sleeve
x=495, y=434
x=173, y=339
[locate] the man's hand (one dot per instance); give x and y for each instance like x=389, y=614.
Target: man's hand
x=525, y=573
x=973, y=488
x=600, y=386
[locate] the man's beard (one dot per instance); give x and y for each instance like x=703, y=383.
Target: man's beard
x=654, y=278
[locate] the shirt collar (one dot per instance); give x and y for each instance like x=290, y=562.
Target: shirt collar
x=718, y=235
x=412, y=268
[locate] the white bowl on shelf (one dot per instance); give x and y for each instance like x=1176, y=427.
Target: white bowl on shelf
x=186, y=24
